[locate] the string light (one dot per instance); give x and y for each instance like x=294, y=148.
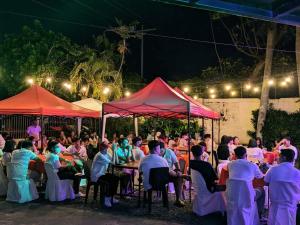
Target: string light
x=67, y=85
x=212, y=91
x=49, y=80
x=271, y=82
x=256, y=89
x=248, y=87
x=228, y=87
x=30, y=81
x=213, y=96
x=186, y=89
x=288, y=79
x=283, y=83
x=84, y=89
x=195, y=97
x=106, y=90
x=127, y=93
x=233, y=93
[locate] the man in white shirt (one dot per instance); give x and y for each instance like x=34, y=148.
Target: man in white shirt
x=138, y=154
x=283, y=172
x=34, y=130
x=77, y=149
x=25, y=154
x=286, y=144
x=242, y=169
x=154, y=160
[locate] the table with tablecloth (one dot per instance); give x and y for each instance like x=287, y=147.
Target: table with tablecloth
x=39, y=165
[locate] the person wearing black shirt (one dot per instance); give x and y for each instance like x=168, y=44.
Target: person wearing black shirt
x=205, y=169
x=223, y=149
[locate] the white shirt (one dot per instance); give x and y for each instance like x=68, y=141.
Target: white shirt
x=6, y=158
x=290, y=147
x=99, y=165
x=82, y=151
x=62, y=148
x=241, y=169
x=2, y=142
x=22, y=156
x=34, y=130
x=138, y=154
x=53, y=159
x=283, y=172
x=149, y=162
x=255, y=154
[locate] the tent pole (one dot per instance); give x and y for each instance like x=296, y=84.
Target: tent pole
x=42, y=131
x=203, y=133
x=189, y=147
x=212, y=141
x=102, y=128
x=219, y=130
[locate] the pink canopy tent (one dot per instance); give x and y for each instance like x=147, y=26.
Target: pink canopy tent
x=160, y=100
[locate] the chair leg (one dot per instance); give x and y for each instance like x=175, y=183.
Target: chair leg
x=88, y=186
x=149, y=200
x=96, y=187
x=144, y=199
x=165, y=198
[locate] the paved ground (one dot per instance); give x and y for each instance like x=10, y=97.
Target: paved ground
x=42, y=212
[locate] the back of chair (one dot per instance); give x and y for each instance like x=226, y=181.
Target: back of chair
x=240, y=193
x=16, y=171
x=159, y=178
x=182, y=164
x=50, y=172
x=284, y=192
x=198, y=183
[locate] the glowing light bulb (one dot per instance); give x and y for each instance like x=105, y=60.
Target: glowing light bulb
x=106, y=90
x=48, y=79
x=288, y=79
x=233, y=93
x=30, y=81
x=186, y=89
x=256, y=89
x=67, y=85
x=127, y=93
x=213, y=96
x=228, y=87
x=195, y=97
x=271, y=82
x=248, y=87
x=283, y=84
x=83, y=89
x=212, y=91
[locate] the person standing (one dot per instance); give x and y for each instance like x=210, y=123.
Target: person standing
x=34, y=130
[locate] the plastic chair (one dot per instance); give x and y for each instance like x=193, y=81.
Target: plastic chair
x=20, y=189
x=158, y=179
x=3, y=181
x=56, y=189
x=205, y=202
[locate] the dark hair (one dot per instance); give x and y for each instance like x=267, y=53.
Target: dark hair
x=288, y=154
x=183, y=133
x=31, y=138
x=75, y=139
x=161, y=144
x=103, y=146
x=4, y=134
x=260, y=142
x=85, y=138
x=202, y=143
x=207, y=136
x=51, y=145
x=9, y=146
x=288, y=138
x=153, y=144
x=121, y=140
x=136, y=140
x=224, y=140
x=197, y=150
x=240, y=152
x=252, y=143
x=26, y=144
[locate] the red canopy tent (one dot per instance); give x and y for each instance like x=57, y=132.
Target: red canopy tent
x=160, y=100
x=38, y=101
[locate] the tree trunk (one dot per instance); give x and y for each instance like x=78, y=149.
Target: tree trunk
x=258, y=67
x=297, y=47
x=264, y=99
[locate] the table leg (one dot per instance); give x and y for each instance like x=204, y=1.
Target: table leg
x=112, y=172
x=139, y=195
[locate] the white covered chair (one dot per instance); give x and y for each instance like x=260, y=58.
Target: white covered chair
x=56, y=189
x=20, y=188
x=3, y=181
x=205, y=202
x=284, y=197
x=241, y=205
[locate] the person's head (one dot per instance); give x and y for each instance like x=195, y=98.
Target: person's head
x=224, y=140
x=203, y=145
x=154, y=147
x=207, y=137
x=31, y=138
x=197, y=151
x=240, y=152
x=53, y=147
x=27, y=145
x=230, y=140
x=62, y=134
x=163, y=138
x=36, y=122
x=73, y=134
x=162, y=148
x=137, y=141
x=4, y=135
x=258, y=142
x=103, y=146
x=286, y=155
x=287, y=141
x=236, y=140
x=85, y=141
x=123, y=142
x=252, y=143
x=184, y=135
x=76, y=142
x=9, y=146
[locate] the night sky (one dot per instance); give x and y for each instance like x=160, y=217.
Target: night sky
x=172, y=59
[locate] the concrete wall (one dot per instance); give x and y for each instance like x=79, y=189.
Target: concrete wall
x=238, y=113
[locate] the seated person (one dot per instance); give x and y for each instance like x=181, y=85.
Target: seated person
x=62, y=138
x=205, y=169
x=205, y=154
x=223, y=150
x=242, y=169
x=99, y=173
x=9, y=147
x=94, y=139
x=138, y=154
x=76, y=149
x=286, y=144
x=283, y=172
x=175, y=174
x=64, y=171
x=25, y=154
x=254, y=153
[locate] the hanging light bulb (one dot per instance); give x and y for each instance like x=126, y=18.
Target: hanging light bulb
x=67, y=86
x=212, y=90
x=186, y=89
x=30, y=81
x=106, y=90
x=84, y=89
x=248, y=86
x=271, y=82
x=195, y=97
x=127, y=93
x=233, y=93
x=49, y=80
x=283, y=83
x=256, y=89
x=228, y=87
x=288, y=79
x=213, y=96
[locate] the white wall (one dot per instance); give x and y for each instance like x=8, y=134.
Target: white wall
x=238, y=113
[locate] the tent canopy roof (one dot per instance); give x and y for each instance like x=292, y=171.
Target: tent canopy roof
x=38, y=101
x=157, y=99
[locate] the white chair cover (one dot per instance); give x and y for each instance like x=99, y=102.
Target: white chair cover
x=3, y=181
x=241, y=206
x=205, y=202
x=20, y=189
x=56, y=189
x=284, y=197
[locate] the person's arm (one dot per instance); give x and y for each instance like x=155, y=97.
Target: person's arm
x=279, y=144
x=258, y=173
x=267, y=177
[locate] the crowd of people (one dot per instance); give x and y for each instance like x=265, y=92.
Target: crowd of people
x=92, y=157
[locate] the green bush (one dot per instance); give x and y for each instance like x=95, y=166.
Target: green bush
x=278, y=124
